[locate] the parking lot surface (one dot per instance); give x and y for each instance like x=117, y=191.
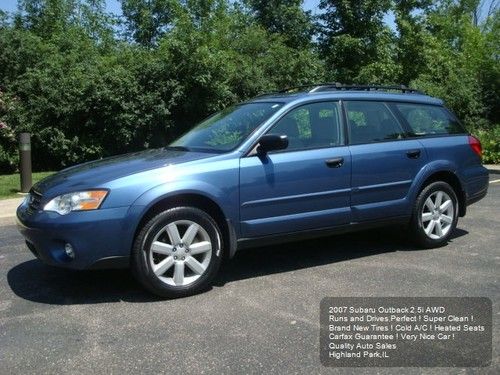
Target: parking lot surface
x=262, y=316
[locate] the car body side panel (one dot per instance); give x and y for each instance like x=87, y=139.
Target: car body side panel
x=454, y=154
x=296, y=190
x=382, y=174
x=427, y=171
x=216, y=180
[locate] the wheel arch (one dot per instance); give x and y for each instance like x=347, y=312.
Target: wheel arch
x=199, y=201
x=451, y=179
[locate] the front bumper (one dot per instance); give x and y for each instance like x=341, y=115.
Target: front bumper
x=98, y=237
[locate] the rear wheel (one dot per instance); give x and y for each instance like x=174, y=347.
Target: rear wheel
x=178, y=252
x=435, y=215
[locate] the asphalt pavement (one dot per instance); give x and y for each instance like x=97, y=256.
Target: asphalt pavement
x=262, y=315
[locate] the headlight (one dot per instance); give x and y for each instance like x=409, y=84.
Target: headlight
x=77, y=201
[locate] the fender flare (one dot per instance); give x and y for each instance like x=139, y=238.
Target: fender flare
x=437, y=166
x=148, y=199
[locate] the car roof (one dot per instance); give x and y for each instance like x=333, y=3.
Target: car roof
x=346, y=95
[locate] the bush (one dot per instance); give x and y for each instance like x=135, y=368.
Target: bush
x=8, y=160
x=85, y=90
x=83, y=99
x=490, y=139
x=8, y=145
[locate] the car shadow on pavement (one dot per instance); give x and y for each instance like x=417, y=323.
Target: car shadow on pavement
x=34, y=281
x=37, y=282
x=291, y=256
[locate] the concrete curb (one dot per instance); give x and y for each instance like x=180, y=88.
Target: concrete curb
x=8, y=207
x=493, y=168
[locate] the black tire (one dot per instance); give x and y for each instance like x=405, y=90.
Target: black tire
x=417, y=229
x=141, y=265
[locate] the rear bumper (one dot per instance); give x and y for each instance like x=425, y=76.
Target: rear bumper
x=99, y=238
x=476, y=184
x=477, y=197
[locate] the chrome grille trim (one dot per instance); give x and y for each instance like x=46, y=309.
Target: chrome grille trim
x=35, y=198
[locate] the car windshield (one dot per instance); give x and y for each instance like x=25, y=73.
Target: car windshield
x=226, y=129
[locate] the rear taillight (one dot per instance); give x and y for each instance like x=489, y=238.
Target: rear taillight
x=476, y=146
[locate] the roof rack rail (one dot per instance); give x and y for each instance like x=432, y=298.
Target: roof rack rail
x=316, y=87
x=300, y=87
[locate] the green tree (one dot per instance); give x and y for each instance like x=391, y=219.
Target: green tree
x=458, y=61
x=222, y=57
x=491, y=68
x=53, y=17
x=349, y=35
x=146, y=21
x=85, y=90
x=409, y=19
x=284, y=17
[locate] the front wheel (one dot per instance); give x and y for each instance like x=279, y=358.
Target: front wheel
x=178, y=252
x=435, y=215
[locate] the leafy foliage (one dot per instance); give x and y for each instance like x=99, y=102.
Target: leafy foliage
x=148, y=20
x=88, y=84
x=284, y=17
x=350, y=35
x=490, y=140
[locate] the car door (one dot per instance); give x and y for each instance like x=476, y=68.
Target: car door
x=384, y=161
x=305, y=186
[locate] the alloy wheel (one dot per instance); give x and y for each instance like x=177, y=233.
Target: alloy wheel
x=180, y=253
x=437, y=215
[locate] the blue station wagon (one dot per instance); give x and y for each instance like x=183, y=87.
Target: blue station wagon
x=309, y=161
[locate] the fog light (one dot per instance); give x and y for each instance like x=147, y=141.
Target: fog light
x=68, y=249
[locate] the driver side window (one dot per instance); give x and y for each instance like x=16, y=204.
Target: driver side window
x=315, y=125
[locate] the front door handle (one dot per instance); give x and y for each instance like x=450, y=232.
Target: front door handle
x=413, y=154
x=334, y=163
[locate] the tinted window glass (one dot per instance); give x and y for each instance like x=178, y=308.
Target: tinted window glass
x=427, y=119
x=313, y=125
x=371, y=122
x=228, y=128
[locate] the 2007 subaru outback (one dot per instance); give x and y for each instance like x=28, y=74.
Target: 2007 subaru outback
x=282, y=166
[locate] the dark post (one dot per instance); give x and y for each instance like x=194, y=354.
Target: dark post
x=25, y=159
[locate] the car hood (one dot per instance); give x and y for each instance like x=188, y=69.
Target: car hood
x=95, y=173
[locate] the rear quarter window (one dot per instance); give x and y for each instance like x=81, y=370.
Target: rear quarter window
x=429, y=119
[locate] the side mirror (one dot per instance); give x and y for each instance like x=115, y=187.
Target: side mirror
x=271, y=142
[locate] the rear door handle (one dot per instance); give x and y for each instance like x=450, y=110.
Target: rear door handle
x=334, y=163
x=413, y=154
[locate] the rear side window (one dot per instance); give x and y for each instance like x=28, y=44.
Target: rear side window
x=428, y=119
x=371, y=122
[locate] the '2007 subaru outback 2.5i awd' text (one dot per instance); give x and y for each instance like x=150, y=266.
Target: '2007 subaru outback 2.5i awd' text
x=322, y=159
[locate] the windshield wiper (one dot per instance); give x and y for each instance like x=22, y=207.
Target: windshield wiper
x=177, y=148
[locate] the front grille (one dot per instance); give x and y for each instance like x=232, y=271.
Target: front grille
x=35, y=199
